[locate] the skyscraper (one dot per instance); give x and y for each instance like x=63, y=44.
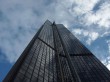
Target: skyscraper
x=56, y=55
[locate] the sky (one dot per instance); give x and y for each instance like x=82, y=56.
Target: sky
x=88, y=20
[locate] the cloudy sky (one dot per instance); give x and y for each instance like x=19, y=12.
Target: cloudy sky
x=89, y=20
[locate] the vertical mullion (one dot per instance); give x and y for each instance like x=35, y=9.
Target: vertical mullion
x=88, y=66
x=95, y=69
x=57, y=56
x=85, y=65
x=36, y=57
x=49, y=64
x=53, y=65
x=29, y=62
x=46, y=40
x=100, y=74
x=43, y=46
x=73, y=70
x=45, y=64
x=101, y=65
x=78, y=64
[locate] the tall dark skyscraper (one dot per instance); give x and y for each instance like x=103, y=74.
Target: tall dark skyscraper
x=56, y=55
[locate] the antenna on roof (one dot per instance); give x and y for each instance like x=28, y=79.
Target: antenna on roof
x=53, y=23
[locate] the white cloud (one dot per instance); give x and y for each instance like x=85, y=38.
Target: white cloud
x=90, y=35
x=83, y=6
x=77, y=31
x=105, y=34
x=108, y=66
x=18, y=24
x=108, y=42
x=100, y=17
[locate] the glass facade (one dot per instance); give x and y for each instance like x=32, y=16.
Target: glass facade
x=55, y=55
